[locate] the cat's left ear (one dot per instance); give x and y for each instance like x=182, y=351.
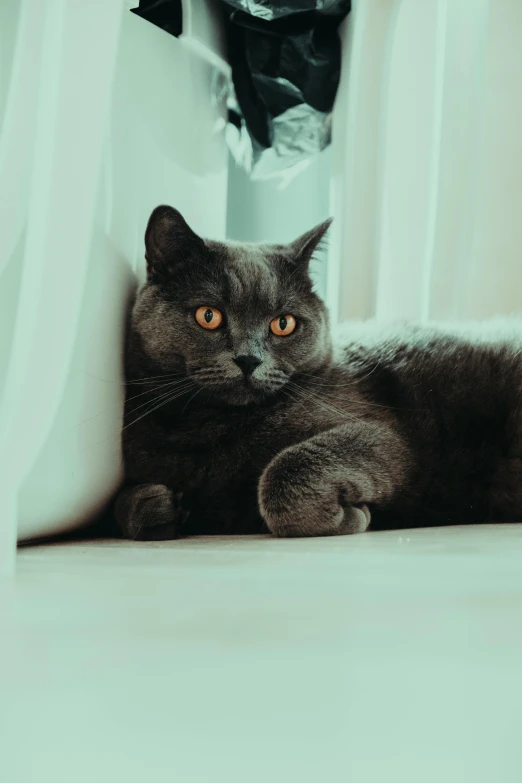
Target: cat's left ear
x=304, y=247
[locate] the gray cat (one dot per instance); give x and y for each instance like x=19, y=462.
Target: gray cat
x=243, y=416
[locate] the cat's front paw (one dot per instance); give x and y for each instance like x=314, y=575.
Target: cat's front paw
x=149, y=512
x=299, y=497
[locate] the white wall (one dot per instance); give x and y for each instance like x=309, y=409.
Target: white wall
x=259, y=212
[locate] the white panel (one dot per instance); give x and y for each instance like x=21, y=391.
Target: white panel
x=107, y=151
x=70, y=120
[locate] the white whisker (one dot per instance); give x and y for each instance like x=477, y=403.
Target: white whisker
x=164, y=402
x=184, y=388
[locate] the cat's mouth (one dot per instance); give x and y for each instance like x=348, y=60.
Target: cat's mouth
x=243, y=390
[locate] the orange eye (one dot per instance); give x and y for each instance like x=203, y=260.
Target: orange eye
x=283, y=325
x=208, y=317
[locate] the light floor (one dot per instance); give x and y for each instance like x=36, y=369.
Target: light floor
x=389, y=657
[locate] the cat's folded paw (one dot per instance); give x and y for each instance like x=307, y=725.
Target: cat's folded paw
x=297, y=498
x=149, y=512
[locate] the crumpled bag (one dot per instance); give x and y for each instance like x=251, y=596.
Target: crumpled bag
x=286, y=60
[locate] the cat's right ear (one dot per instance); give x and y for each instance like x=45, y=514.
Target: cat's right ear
x=169, y=241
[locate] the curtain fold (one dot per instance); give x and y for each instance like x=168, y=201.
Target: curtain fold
x=427, y=186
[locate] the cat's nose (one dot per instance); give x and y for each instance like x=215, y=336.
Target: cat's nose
x=247, y=364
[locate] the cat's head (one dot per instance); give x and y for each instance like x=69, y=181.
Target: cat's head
x=238, y=319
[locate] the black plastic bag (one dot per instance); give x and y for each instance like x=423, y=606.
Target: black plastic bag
x=286, y=60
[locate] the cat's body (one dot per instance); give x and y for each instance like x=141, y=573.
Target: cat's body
x=411, y=426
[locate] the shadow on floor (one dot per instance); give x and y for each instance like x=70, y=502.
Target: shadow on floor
x=103, y=526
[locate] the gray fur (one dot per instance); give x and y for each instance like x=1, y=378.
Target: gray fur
x=383, y=426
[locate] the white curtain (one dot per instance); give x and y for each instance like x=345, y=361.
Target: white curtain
x=427, y=161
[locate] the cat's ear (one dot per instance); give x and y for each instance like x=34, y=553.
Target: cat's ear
x=304, y=247
x=169, y=240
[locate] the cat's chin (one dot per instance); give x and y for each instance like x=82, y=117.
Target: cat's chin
x=243, y=394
